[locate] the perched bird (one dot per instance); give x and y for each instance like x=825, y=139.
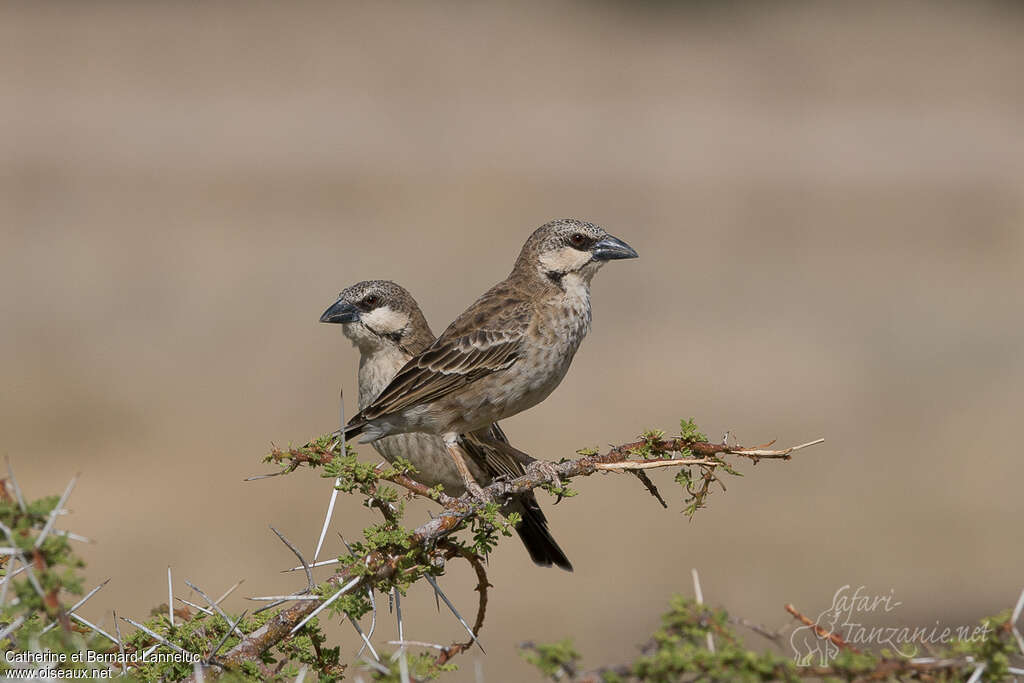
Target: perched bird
x=505, y=353
x=386, y=325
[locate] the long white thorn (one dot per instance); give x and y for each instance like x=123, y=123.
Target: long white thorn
x=403, y=662
x=156, y=636
x=230, y=591
x=95, y=628
x=344, y=589
x=327, y=520
x=78, y=604
x=12, y=627
x=56, y=511
x=699, y=594
x=14, y=485
x=454, y=611
x=216, y=608
x=170, y=597
x=366, y=640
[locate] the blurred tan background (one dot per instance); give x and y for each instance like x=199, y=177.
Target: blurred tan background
x=828, y=200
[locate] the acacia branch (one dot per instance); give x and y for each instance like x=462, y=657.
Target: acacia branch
x=379, y=566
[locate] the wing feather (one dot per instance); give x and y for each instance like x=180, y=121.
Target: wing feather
x=492, y=460
x=445, y=367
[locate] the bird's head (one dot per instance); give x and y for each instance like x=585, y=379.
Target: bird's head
x=379, y=314
x=571, y=247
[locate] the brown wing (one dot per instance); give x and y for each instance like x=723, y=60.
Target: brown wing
x=485, y=339
x=446, y=367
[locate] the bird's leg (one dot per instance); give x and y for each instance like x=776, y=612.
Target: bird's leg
x=532, y=465
x=451, y=443
x=545, y=469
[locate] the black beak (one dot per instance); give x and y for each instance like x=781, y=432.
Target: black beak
x=340, y=312
x=612, y=248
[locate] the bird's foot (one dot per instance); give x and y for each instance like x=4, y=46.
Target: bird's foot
x=477, y=493
x=545, y=469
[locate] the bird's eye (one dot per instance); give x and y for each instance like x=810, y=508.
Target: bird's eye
x=578, y=239
x=370, y=302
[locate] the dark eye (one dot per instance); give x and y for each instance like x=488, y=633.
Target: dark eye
x=578, y=239
x=369, y=302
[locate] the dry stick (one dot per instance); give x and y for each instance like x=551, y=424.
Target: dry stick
x=380, y=566
x=310, y=584
x=753, y=453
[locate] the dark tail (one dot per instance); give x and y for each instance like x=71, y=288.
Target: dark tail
x=353, y=428
x=533, y=531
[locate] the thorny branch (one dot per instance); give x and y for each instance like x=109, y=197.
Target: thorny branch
x=481, y=587
x=658, y=452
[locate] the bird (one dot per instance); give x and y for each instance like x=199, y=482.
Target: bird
x=386, y=325
x=504, y=354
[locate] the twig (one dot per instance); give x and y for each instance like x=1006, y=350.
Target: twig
x=378, y=566
x=310, y=584
x=649, y=485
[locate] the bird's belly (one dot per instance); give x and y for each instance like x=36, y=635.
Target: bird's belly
x=430, y=458
x=504, y=394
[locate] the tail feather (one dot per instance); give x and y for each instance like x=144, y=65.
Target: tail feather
x=533, y=531
x=353, y=428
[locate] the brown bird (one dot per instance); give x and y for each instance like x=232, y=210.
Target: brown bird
x=386, y=325
x=505, y=353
